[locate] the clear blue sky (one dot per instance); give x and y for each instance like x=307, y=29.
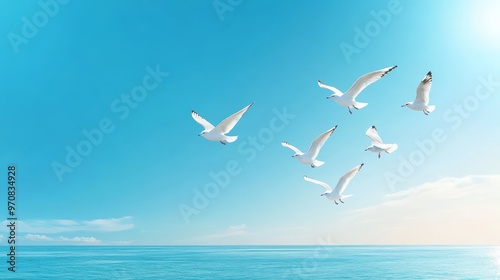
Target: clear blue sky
x=73, y=73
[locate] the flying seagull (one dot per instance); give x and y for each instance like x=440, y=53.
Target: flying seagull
x=218, y=133
x=347, y=99
x=312, y=153
x=336, y=194
x=421, y=102
x=377, y=146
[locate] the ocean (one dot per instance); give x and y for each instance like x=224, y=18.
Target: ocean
x=254, y=262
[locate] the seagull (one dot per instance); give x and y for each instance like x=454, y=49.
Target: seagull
x=377, y=146
x=218, y=133
x=336, y=194
x=347, y=99
x=421, y=102
x=312, y=153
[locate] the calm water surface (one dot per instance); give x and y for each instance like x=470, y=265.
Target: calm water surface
x=255, y=262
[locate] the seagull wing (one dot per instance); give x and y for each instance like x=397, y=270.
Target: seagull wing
x=206, y=125
x=319, y=142
x=323, y=184
x=293, y=148
x=373, y=135
x=424, y=88
x=366, y=80
x=322, y=85
x=344, y=180
x=226, y=125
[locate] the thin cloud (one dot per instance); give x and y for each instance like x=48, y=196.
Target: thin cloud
x=62, y=226
x=449, y=211
x=41, y=238
x=37, y=237
x=237, y=230
x=80, y=240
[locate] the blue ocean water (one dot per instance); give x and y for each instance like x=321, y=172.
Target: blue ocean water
x=255, y=262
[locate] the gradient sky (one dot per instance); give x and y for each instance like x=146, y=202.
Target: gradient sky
x=75, y=70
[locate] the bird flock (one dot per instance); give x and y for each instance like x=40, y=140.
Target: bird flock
x=346, y=99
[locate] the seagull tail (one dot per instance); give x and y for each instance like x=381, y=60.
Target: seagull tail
x=317, y=163
x=392, y=148
x=230, y=139
x=360, y=105
x=345, y=196
x=431, y=108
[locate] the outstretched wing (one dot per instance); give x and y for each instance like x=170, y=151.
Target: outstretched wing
x=226, y=125
x=323, y=184
x=322, y=85
x=366, y=80
x=344, y=180
x=206, y=125
x=319, y=142
x=373, y=135
x=424, y=88
x=293, y=148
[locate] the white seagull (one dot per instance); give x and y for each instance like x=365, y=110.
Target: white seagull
x=336, y=194
x=218, y=133
x=347, y=99
x=312, y=153
x=421, y=102
x=377, y=146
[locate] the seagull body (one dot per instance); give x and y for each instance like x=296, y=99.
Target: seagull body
x=421, y=102
x=312, y=153
x=336, y=194
x=377, y=145
x=347, y=99
x=218, y=133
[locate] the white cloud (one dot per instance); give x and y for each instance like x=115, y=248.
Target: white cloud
x=80, y=240
x=76, y=240
x=37, y=237
x=120, y=242
x=61, y=226
x=119, y=224
x=230, y=231
x=240, y=229
x=70, y=240
x=449, y=211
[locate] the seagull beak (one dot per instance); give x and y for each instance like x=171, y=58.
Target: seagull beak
x=403, y=105
x=199, y=134
x=366, y=150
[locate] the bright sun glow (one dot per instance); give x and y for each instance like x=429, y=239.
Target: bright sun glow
x=487, y=21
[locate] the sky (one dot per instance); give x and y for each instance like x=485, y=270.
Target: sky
x=96, y=109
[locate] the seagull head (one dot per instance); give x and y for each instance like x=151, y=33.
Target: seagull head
x=323, y=194
x=406, y=104
x=333, y=96
x=202, y=133
x=296, y=155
